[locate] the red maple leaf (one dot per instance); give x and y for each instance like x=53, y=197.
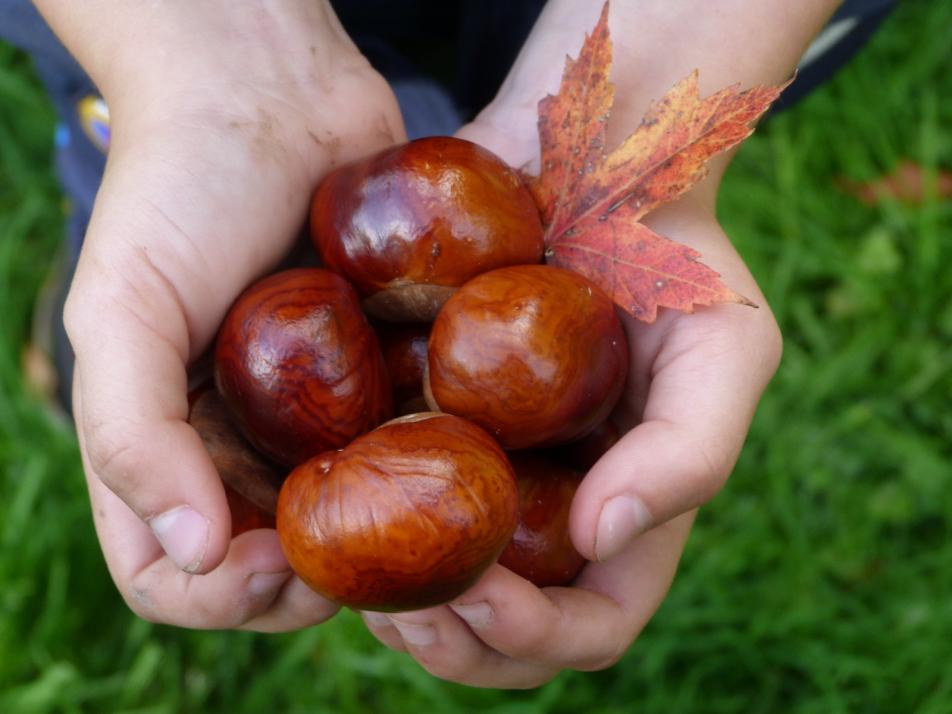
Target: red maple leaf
x=591, y=200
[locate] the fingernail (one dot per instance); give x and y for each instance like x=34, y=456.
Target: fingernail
x=415, y=634
x=377, y=619
x=261, y=584
x=183, y=534
x=478, y=614
x=622, y=518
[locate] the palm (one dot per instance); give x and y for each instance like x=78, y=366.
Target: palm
x=693, y=383
x=195, y=204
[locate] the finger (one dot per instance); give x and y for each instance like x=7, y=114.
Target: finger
x=447, y=648
x=296, y=606
x=243, y=586
x=694, y=386
x=251, y=588
x=588, y=626
x=126, y=321
x=153, y=281
x=188, y=214
x=383, y=629
x=706, y=383
x=131, y=406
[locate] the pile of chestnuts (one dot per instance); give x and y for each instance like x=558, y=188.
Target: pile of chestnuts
x=417, y=401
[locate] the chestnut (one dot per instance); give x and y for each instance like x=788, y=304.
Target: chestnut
x=541, y=550
x=251, y=483
x=407, y=516
x=239, y=465
x=583, y=454
x=412, y=223
x=245, y=515
x=405, y=354
x=299, y=366
x=533, y=354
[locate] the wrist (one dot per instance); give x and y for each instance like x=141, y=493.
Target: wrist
x=288, y=66
x=655, y=45
x=195, y=51
x=123, y=45
x=285, y=77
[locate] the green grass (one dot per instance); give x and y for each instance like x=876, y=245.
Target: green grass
x=818, y=581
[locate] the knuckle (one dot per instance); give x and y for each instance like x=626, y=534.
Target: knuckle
x=73, y=311
x=537, y=680
x=533, y=643
x=218, y=616
x=86, y=303
x=209, y=613
x=450, y=668
x=177, y=598
x=244, y=611
x=707, y=465
x=112, y=456
x=250, y=606
x=714, y=468
x=140, y=602
x=603, y=660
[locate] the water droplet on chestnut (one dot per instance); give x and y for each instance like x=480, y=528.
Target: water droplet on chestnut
x=533, y=354
x=405, y=517
x=299, y=366
x=412, y=223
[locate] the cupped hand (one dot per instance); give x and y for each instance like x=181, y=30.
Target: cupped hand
x=693, y=385
x=217, y=145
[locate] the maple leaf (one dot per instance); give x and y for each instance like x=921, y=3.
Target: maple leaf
x=591, y=200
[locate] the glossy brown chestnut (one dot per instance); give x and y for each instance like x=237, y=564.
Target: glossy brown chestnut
x=242, y=468
x=405, y=354
x=583, y=454
x=251, y=483
x=405, y=517
x=299, y=367
x=245, y=515
x=533, y=354
x=541, y=550
x=409, y=225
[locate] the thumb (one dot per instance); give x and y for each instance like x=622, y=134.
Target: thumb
x=132, y=388
x=707, y=381
x=126, y=319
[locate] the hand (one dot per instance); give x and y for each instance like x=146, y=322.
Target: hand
x=221, y=128
x=693, y=386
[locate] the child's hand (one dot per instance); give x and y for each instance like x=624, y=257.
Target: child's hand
x=222, y=126
x=694, y=383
